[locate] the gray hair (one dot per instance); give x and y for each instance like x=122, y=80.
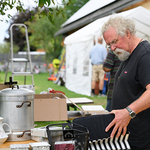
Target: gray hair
x=121, y=25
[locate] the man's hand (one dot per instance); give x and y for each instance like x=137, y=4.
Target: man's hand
x=120, y=122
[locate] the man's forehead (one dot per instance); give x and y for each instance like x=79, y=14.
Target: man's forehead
x=110, y=34
x=110, y=30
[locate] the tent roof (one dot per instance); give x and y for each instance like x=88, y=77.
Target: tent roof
x=140, y=15
x=92, y=10
x=88, y=8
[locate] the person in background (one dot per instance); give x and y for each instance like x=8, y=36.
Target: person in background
x=131, y=91
x=98, y=54
x=50, y=69
x=111, y=64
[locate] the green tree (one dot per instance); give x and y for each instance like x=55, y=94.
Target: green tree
x=5, y=48
x=41, y=30
x=43, y=5
x=73, y=7
x=42, y=36
x=18, y=36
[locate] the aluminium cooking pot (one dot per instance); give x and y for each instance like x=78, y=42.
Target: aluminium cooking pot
x=17, y=108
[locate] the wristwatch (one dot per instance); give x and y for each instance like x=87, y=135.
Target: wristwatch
x=131, y=112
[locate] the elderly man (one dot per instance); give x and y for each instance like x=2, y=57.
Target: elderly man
x=131, y=92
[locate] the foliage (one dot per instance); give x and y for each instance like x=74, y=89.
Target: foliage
x=5, y=48
x=43, y=5
x=69, y=7
x=40, y=30
x=42, y=36
x=73, y=7
x=18, y=36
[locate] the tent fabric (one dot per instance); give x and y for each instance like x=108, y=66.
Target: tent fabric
x=78, y=67
x=79, y=44
x=88, y=8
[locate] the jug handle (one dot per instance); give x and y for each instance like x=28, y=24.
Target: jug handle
x=9, y=128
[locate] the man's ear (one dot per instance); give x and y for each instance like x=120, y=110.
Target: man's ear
x=128, y=34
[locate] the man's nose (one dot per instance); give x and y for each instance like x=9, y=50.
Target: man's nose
x=113, y=47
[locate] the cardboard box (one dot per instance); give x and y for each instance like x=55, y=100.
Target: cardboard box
x=50, y=107
x=3, y=86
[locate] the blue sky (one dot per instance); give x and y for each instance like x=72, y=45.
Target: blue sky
x=3, y=28
x=3, y=25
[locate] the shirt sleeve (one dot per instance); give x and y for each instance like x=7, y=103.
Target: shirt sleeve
x=144, y=70
x=109, y=61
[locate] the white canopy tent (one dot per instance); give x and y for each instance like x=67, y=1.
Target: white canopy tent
x=79, y=44
x=89, y=7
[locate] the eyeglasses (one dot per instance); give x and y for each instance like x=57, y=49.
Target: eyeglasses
x=112, y=43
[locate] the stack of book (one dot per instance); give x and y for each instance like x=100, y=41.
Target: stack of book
x=94, y=109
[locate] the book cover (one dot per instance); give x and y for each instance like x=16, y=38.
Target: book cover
x=65, y=145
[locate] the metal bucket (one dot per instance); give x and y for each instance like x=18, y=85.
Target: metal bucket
x=17, y=108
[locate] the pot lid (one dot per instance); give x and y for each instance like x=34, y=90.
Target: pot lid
x=16, y=92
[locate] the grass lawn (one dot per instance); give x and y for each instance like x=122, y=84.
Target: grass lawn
x=42, y=84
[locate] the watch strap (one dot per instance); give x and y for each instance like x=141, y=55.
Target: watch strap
x=131, y=112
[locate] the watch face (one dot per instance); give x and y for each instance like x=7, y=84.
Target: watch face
x=132, y=114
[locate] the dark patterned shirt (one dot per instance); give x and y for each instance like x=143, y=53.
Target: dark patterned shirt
x=111, y=62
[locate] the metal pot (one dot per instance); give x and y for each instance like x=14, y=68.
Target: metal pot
x=17, y=108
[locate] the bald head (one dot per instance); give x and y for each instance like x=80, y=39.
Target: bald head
x=100, y=40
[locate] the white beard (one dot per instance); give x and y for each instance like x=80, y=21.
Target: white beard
x=122, y=54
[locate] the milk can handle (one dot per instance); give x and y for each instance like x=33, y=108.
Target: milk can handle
x=29, y=105
x=14, y=86
x=8, y=126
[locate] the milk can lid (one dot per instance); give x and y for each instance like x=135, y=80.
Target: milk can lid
x=16, y=92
